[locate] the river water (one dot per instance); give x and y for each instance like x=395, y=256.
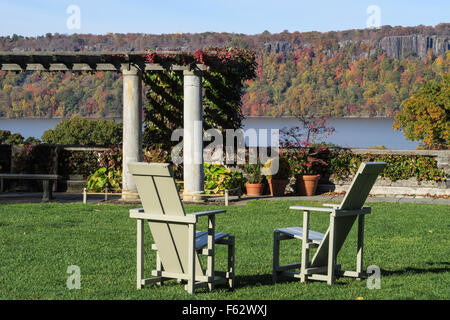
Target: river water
x=349, y=132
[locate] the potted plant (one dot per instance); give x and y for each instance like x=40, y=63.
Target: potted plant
x=307, y=166
x=278, y=180
x=305, y=155
x=254, y=185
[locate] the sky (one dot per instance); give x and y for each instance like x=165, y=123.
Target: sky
x=38, y=17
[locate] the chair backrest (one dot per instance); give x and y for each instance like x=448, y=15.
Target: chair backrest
x=354, y=199
x=159, y=195
x=157, y=188
x=361, y=185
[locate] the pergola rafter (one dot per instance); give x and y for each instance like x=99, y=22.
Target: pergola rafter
x=87, y=61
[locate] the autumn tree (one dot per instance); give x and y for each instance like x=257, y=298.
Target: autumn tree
x=425, y=116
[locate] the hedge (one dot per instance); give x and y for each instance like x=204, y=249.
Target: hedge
x=344, y=164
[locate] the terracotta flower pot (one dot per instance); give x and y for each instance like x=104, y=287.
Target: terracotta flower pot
x=254, y=189
x=307, y=184
x=277, y=187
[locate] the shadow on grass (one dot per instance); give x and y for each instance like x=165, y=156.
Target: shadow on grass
x=253, y=280
x=411, y=270
x=266, y=280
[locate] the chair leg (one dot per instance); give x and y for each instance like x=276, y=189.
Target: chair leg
x=360, y=254
x=331, y=252
x=304, y=263
x=159, y=268
x=210, y=258
x=276, y=256
x=140, y=253
x=191, y=259
x=231, y=262
x=305, y=249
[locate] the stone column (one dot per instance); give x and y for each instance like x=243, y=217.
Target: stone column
x=193, y=137
x=132, y=127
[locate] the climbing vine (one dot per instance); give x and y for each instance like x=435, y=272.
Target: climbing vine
x=223, y=84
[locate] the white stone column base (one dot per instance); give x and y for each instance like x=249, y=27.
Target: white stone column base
x=129, y=196
x=194, y=196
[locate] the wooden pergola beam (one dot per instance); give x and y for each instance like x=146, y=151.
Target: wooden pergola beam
x=85, y=61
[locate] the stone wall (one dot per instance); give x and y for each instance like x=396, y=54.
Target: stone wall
x=402, y=187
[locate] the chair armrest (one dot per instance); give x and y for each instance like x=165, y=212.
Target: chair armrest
x=211, y=224
x=206, y=213
x=342, y=213
x=332, y=205
x=140, y=214
x=312, y=208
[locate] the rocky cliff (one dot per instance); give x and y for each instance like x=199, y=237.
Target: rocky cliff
x=279, y=46
x=399, y=47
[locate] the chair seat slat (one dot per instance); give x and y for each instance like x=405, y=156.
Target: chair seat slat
x=201, y=238
x=297, y=232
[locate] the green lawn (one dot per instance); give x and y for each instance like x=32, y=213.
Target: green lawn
x=409, y=242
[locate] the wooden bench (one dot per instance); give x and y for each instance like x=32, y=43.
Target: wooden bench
x=47, y=181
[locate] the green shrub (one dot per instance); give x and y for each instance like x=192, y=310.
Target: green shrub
x=109, y=175
x=15, y=138
x=102, y=179
x=4, y=134
x=218, y=178
x=32, y=140
x=81, y=131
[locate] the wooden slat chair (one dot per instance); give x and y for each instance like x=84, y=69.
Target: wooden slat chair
x=342, y=217
x=177, y=243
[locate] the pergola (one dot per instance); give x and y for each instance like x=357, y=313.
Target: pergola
x=132, y=64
